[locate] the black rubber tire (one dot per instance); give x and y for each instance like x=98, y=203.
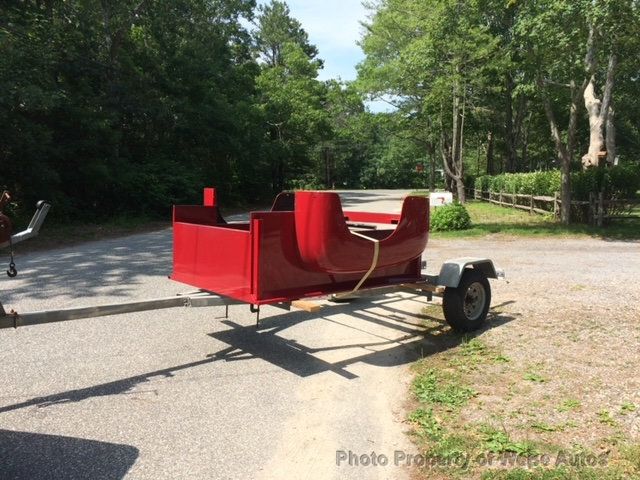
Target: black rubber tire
x=453, y=301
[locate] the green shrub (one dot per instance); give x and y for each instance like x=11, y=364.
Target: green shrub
x=482, y=183
x=450, y=217
x=622, y=181
x=532, y=183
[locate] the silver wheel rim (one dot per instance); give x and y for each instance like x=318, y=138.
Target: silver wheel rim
x=474, y=301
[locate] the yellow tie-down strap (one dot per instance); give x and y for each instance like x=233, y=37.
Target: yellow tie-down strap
x=374, y=263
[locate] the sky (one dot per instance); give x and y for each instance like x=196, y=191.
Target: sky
x=334, y=27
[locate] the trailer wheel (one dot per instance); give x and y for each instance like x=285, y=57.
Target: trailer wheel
x=465, y=307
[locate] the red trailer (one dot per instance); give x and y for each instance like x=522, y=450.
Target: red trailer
x=305, y=246
x=302, y=247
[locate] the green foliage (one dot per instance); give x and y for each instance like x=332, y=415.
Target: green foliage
x=118, y=107
x=450, y=217
x=498, y=441
x=123, y=107
x=533, y=183
x=561, y=473
x=622, y=181
x=425, y=421
x=432, y=388
x=569, y=404
x=534, y=377
x=276, y=29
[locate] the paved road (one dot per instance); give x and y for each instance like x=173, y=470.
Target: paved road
x=184, y=393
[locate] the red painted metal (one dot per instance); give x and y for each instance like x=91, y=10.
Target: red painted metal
x=372, y=217
x=262, y=261
x=327, y=245
x=210, y=199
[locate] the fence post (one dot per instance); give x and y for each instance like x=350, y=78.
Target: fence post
x=556, y=208
x=500, y=198
x=592, y=209
x=531, y=205
x=600, y=209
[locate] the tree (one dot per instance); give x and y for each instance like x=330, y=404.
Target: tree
x=291, y=96
x=563, y=40
x=435, y=58
x=126, y=105
x=276, y=28
x=613, y=32
x=551, y=33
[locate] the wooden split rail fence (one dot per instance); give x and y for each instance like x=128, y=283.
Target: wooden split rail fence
x=595, y=211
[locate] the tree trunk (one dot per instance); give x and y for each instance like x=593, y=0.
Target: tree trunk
x=611, y=137
x=431, y=154
x=453, y=166
x=596, y=131
x=490, y=169
x=565, y=192
x=564, y=151
x=524, y=155
x=462, y=195
x=327, y=166
x=598, y=110
x=509, y=128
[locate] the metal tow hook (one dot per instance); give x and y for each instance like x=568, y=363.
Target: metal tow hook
x=12, y=272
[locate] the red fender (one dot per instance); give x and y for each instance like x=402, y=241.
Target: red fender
x=326, y=244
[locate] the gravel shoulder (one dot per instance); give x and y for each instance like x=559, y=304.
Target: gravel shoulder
x=565, y=327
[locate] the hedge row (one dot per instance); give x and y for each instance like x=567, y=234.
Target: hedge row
x=622, y=181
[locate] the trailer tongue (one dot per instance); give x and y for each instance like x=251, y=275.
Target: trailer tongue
x=305, y=247
x=9, y=239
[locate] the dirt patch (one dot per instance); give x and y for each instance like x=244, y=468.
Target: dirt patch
x=555, y=372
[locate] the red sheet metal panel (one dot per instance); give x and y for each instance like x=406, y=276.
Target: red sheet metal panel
x=213, y=258
x=372, y=217
x=284, y=276
x=326, y=244
x=260, y=261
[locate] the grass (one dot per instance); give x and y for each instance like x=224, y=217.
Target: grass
x=605, y=417
x=534, y=377
x=433, y=387
x=490, y=219
x=561, y=473
x=627, y=407
x=427, y=425
x=450, y=389
x=547, y=427
x=497, y=441
x=569, y=405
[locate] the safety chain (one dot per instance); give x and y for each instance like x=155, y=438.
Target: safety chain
x=12, y=272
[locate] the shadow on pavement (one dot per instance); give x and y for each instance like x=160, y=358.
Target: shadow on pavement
x=246, y=342
x=31, y=456
x=418, y=341
x=109, y=267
